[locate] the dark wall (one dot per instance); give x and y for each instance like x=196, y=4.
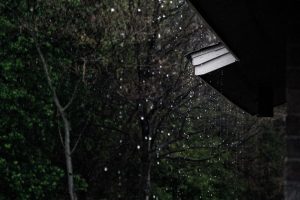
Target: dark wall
x=292, y=161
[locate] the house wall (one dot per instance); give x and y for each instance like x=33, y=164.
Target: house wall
x=292, y=161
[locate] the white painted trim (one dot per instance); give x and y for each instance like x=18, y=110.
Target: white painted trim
x=202, y=57
x=214, y=64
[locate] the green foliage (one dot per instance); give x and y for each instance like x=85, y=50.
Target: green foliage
x=26, y=121
x=81, y=184
x=214, y=179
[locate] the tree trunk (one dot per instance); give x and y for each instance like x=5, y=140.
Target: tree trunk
x=146, y=171
x=68, y=158
x=67, y=127
x=146, y=178
x=148, y=182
